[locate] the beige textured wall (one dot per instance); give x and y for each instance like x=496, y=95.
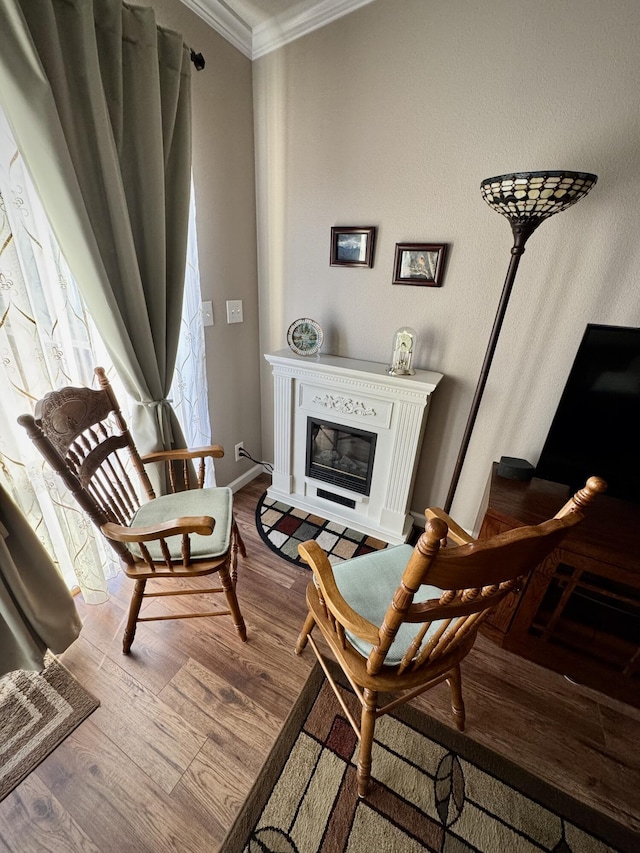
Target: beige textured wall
x=392, y=116
x=223, y=167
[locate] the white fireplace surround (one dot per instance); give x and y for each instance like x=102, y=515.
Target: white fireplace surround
x=357, y=394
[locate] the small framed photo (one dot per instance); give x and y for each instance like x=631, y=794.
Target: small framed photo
x=419, y=263
x=352, y=247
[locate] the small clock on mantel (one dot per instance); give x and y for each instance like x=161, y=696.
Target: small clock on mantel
x=305, y=336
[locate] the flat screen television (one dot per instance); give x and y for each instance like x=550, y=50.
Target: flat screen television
x=596, y=428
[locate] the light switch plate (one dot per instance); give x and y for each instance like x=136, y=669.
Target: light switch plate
x=207, y=314
x=234, y=310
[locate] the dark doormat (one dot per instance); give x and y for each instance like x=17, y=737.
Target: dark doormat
x=283, y=528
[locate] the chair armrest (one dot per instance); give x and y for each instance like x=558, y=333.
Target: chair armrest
x=179, y=482
x=459, y=536
x=215, y=451
x=201, y=524
x=313, y=554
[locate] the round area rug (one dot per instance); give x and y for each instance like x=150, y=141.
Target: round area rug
x=283, y=528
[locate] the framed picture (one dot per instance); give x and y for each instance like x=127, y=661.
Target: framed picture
x=352, y=247
x=419, y=263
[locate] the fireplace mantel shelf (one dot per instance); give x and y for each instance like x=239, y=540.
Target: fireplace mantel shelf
x=356, y=395
x=365, y=371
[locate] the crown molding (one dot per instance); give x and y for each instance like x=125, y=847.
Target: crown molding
x=220, y=18
x=303, y=19
x=307, y=16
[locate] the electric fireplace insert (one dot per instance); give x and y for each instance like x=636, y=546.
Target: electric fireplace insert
x=340, y=455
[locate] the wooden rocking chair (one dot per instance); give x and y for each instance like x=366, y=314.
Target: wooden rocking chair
x=191, y=532
x=400, y=620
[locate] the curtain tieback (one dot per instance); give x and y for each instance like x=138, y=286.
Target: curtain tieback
x=162, y=402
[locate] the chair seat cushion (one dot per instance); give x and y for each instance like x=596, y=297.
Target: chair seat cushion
x=368, y=584
x=216, y=502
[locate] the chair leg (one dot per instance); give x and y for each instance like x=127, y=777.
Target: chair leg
x=239, y=540
x=134, y=611
x=457, y=705
x=232, y=600
x=236, y=545
x=367, y=728
x=309, y=623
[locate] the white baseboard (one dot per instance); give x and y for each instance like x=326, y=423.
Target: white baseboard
x=246, y=478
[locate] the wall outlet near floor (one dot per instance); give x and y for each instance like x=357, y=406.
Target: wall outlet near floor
x=239, y=447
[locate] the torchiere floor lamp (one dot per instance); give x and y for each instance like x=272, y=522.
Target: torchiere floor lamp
x=526, y=199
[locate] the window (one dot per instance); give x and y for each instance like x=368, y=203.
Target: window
x=48, y=340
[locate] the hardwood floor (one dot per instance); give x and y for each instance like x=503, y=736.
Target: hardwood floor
x=187, y=720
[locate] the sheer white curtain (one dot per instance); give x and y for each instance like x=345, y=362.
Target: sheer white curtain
x=188, y=392
x=47, y=340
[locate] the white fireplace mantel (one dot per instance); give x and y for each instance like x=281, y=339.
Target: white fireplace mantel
x=358, y=394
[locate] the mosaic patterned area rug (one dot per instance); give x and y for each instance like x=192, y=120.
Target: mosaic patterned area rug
x=435, y=790
x=37, y=712
x=283, y=528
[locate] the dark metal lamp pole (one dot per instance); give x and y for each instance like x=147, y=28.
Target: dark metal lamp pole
x=526, y=199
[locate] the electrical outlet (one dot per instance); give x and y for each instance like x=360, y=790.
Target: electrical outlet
x=239, y=447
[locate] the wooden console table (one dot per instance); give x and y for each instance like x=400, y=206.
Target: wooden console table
x=579, y=612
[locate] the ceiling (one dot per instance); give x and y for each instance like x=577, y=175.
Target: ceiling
x=257, y=27
x=254, y=12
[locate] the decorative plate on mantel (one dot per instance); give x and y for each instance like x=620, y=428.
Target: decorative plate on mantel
x=305, y=336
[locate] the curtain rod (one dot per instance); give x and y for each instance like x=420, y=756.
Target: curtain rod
x=197, y=59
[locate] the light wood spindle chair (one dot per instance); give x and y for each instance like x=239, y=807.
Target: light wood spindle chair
x=185, y=534
x=401, y=620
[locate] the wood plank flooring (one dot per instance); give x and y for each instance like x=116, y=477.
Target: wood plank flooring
x=187, y=720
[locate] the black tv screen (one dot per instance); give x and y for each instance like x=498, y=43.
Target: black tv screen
x=596, y=428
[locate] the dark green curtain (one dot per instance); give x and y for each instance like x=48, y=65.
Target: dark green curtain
x=36, y=609
x=98, y=97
